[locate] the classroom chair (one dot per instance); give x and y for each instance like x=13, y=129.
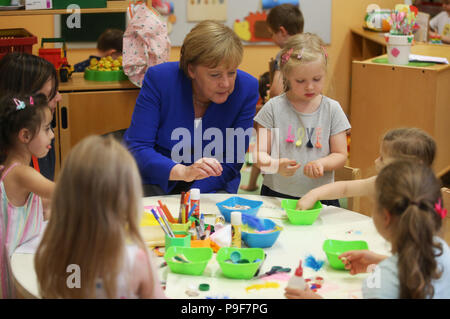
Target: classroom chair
x=348, y=173
x=445, y=231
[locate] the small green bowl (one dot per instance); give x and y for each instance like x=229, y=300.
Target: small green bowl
x=240, y=271
x=334, y=248
x=104, y=76
x=198, y=260
x=301, y=217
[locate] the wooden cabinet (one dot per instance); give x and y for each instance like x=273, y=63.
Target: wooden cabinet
x=89, y=107
x=388, y=96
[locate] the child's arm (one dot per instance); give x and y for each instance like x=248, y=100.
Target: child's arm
x=265, y=162
x=291, y=293
x=342, y=189
x=149, y=284
x=31, y=180
x=336, y=159
x=277, y=86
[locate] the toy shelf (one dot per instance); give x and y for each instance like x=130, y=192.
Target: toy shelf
x=112, y=6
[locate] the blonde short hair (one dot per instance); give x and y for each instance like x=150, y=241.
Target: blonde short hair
x=300, y=49
x=210, y=43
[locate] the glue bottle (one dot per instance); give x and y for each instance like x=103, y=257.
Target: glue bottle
x=236, y=222
x=297, y=281
x=195, y=199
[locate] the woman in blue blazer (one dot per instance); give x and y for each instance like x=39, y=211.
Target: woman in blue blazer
x=193, y=119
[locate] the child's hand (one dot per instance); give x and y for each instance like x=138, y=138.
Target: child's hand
x=291, y=293
x=313, y=169
x=306, y=202
x=287, y=167
x=357, y=261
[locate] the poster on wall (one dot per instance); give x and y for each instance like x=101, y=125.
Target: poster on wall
x=199, y=10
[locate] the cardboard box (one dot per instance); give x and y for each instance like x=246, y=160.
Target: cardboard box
x=38, y=4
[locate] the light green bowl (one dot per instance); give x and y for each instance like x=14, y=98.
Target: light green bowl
x=198, y=257
x=104, y=76
x=301, y=217
x=334, y=248
x=240, y=271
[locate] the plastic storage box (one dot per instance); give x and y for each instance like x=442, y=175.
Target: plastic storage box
x=16, y=40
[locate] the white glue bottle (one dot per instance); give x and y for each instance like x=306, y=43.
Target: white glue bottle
x=236, y=222
x=195, y=199
x=297, y=281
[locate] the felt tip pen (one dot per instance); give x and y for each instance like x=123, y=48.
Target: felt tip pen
x=181, y=213
x=160, y=223
x=166, y=212
x=165, y=221
x=208, y=231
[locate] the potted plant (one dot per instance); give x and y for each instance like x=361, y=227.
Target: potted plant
x=400, y=37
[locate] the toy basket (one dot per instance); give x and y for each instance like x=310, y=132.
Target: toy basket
x=16, y=40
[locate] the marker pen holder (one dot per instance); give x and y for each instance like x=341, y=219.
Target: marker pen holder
x=181, y=239
x=201, y=243
x=181, y=227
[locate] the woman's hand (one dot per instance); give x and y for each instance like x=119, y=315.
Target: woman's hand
x=307, y=201
x=313, y=169
x=287, y=167
x=291, y=293
x=357, y=261
x=203, y=168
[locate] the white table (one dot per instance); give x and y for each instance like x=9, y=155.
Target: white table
x=293, y=244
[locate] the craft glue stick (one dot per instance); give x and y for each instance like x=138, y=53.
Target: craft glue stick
x=297, y=281
x=236, y=224
x=195, y=199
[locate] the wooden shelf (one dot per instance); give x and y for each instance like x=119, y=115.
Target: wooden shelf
x=111, y=7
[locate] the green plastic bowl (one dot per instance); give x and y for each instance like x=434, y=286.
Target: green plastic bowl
x=301, y=217
x=334, y=248
x=198, y=257
x=240, y=271
x=104, y=76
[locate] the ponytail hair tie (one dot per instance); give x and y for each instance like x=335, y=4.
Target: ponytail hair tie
x=31, y=100
x=439, y=209
x=20, y=105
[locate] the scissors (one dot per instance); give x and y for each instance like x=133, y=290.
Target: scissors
x=274, y=270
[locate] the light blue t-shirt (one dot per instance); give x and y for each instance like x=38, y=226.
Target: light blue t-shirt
x=383, y=283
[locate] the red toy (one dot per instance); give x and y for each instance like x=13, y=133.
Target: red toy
x=57, y=56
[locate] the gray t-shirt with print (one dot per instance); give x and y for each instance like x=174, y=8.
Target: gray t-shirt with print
x=314, y=129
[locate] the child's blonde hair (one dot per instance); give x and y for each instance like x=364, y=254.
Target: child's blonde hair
x=410, y=143
x=300, y=49
x=409, y=190
x=95, y=209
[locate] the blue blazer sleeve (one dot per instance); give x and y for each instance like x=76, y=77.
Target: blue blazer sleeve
x=142, y=134
x=230, y=178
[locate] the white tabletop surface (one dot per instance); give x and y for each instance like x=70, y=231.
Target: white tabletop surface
x=293, y=244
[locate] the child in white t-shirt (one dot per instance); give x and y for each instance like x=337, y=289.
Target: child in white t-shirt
x=440, y=24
